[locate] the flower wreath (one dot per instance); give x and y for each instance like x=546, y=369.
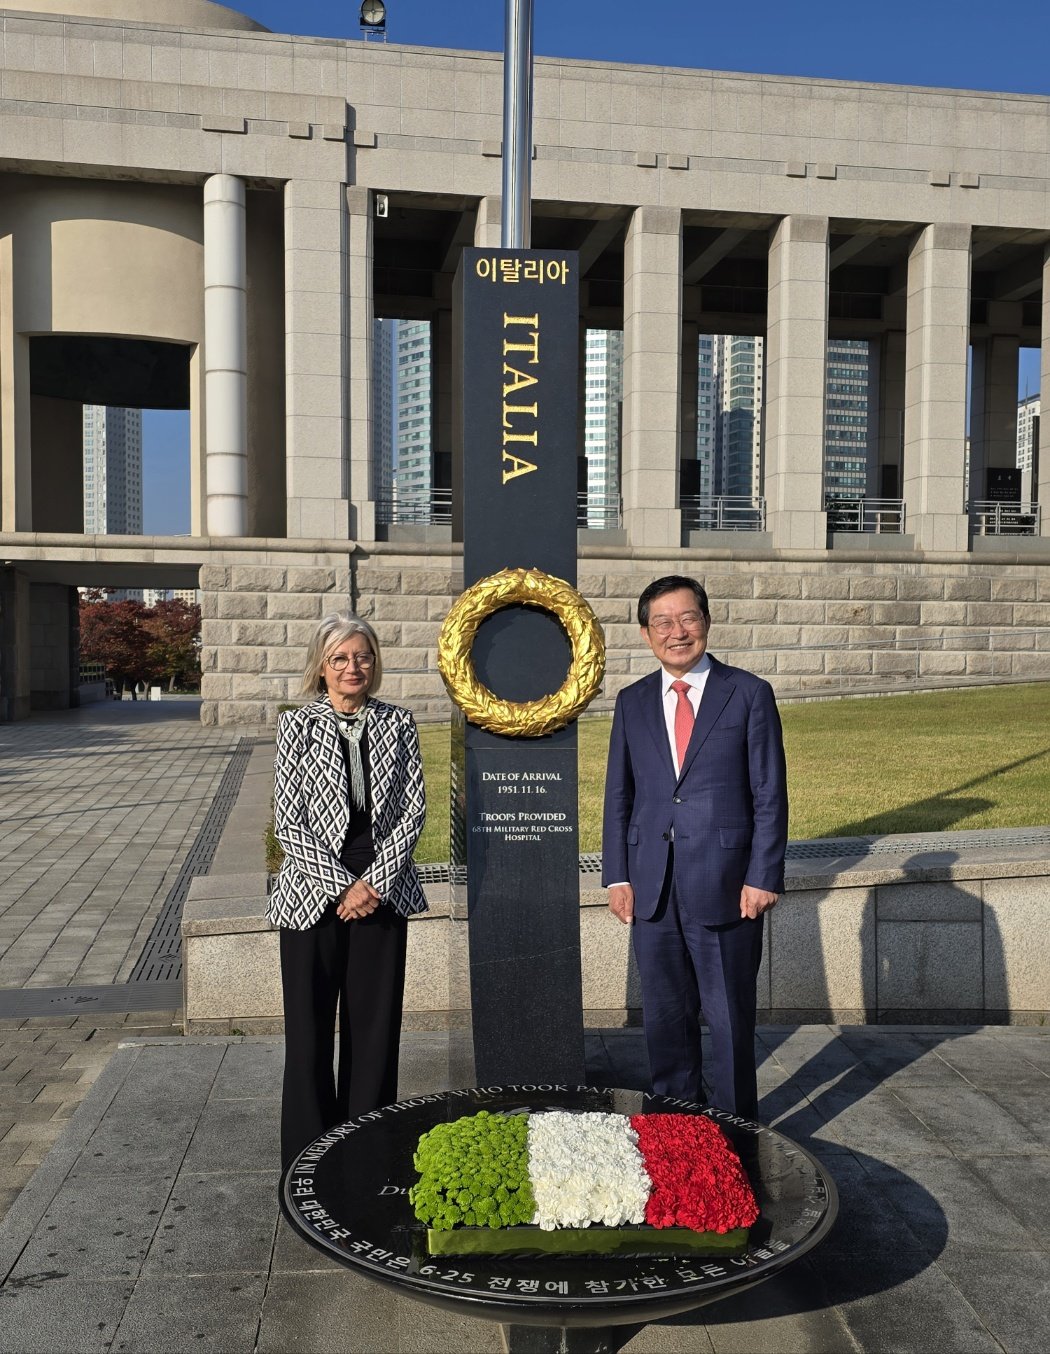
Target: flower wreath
x=525, y=587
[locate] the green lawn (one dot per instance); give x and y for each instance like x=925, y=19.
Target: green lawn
x=919, y=763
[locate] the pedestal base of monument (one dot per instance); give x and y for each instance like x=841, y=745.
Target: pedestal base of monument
x=563, y=1339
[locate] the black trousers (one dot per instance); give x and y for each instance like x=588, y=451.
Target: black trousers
x=358, y=967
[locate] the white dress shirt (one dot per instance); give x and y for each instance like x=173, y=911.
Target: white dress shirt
x=696, y=678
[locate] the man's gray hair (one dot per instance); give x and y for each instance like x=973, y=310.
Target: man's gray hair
x=332, y=631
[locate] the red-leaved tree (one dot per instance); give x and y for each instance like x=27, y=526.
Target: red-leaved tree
x=175, y=628
x=136, y=643
x=114, y=634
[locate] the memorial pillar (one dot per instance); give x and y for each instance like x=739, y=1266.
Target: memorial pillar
x=652, y=357
x=795, y=383
x=1041, y=446
x=487, y=234
x=993, y=410
x=886, y=474
x=935, y=387
x=225, y=356
x=316, y=312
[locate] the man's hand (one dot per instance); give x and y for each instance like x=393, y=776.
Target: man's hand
x=357, y=901
x=753, y=902
x=621, y=902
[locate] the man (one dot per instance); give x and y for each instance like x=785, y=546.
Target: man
x=693, y=845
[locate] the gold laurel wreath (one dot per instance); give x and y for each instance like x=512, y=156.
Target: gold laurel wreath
x=521, y=587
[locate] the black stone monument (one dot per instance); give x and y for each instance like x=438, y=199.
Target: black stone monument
x=514, y=809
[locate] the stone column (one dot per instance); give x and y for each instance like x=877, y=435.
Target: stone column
x=1041, y=477
x=16, y=463
x=690, y=390
x=360, y=317
x=886, y=479
x=58, y=488
x=15, y=646
x=315, y=333
x=225, y=356
x=487, y=227
x=441, y=399
x=935, y=387
x=795, y=383
x=652, y=357
x=993, y=409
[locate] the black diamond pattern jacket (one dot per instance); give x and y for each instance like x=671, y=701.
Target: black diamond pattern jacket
x=312, y=812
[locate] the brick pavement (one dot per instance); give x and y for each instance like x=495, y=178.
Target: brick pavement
x=47, y=1066
x=98, y=809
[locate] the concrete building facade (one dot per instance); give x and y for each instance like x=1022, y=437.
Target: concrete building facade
x=188, y=219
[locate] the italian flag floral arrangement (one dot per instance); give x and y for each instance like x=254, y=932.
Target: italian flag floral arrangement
x=565, y=1183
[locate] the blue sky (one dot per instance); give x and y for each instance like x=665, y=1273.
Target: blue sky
x=964, y=45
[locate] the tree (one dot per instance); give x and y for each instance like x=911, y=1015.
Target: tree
x=114, y=634
x=174, y=629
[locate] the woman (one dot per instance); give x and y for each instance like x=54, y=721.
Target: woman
x=349, y=807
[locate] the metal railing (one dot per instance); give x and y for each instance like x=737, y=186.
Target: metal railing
x=431, y=507
x=878, y=515
x=723, y=512
x=599, y=512
x=1004, y=519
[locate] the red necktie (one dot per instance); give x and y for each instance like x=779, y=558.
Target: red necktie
x=683, y=721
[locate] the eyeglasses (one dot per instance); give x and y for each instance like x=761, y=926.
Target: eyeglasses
x=689, y=620
x=364, y=661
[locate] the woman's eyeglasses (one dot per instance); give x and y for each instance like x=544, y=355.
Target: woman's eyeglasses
x=364, y=661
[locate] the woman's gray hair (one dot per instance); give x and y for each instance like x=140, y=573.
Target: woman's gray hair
x=330, y=633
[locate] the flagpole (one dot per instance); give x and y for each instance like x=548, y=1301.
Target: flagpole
x=516, y=224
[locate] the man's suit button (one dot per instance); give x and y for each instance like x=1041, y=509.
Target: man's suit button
x=667, y=837
x=677, y=800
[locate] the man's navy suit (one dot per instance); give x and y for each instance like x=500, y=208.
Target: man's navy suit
x=687, y=844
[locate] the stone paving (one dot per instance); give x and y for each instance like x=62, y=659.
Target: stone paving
x=153, y=1223
x=98, y=807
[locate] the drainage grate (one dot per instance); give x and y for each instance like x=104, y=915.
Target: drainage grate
x=830, y=848
x=922, y=843
x=22, y=1003
x=161, y=958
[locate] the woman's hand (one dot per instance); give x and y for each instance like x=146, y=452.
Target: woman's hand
x=357, y=901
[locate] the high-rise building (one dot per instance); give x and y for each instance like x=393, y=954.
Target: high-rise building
x=413, y=470
x=849, y=417
x=737, y=390
x=1027, y=442
x=602, y=414
x=709, y=474
x=384, y=334
x=112, y=471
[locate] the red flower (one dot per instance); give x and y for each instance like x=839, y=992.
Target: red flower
x=698, y=1179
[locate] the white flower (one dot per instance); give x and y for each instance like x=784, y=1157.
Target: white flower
x=586, y=1168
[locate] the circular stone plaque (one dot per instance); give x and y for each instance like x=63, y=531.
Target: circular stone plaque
x=347, y=1194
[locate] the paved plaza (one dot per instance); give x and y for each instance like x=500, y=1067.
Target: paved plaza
x=153, y=1224
x=99, y=808
x=138, y=1168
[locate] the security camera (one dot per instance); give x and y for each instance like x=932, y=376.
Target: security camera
x=382, y=205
